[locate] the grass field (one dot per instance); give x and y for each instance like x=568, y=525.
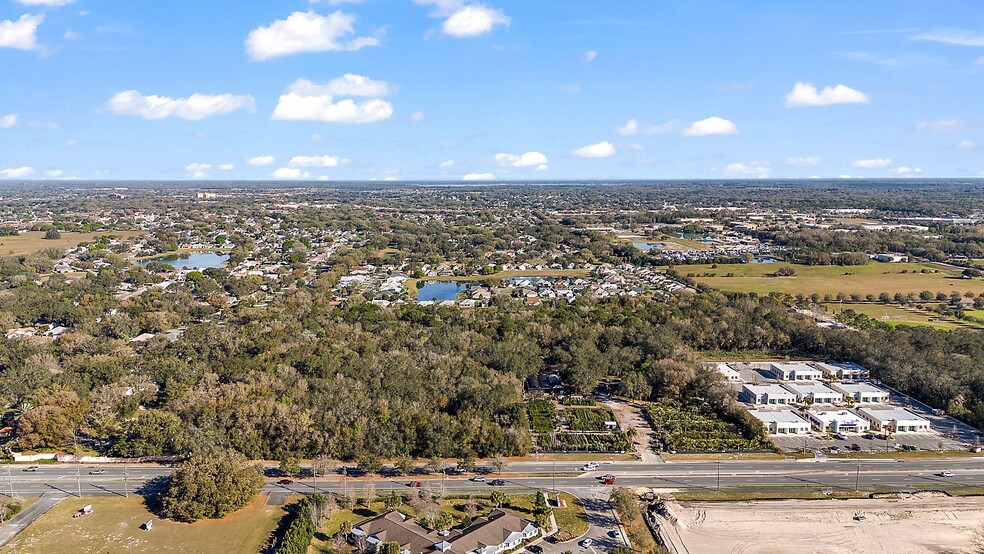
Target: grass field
x=411, y=284
x=897, y=315
x=114, y=527
x=34, y=240
x=873, y=278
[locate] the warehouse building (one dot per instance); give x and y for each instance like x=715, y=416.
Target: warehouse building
x=798, y=371
x=862, y=393
x=783, y=422
x=837, y=421
x=817, y=393
x=766, y=394
x=896, y=420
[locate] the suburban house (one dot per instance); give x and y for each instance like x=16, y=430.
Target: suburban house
x=783, y=422
x=842, y=370
x=765, y=394
x=861, y=392
x=794, y=372
x=896, y=420
x=497, y=532
x=817, y=393
x=837, y=421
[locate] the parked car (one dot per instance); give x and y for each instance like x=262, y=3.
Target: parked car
x=946, y=473
x=856, y=447
x=497, y=482
x=535, y=549
x=414, y=484
x=478, y=479
x=31, y=468
x=587, y=542
x=285, y=482
x=867, y=436
x=835, y=449
x=97, y=472
x=840, y=436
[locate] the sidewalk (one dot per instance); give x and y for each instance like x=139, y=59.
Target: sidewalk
x=29, y=515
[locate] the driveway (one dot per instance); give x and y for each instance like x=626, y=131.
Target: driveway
x=604, y=530
x=630, y=417
x=29, y=515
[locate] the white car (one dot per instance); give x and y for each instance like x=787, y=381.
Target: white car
x=478, y=479
x=946, y=474
x=586, y=543
x=590, y=467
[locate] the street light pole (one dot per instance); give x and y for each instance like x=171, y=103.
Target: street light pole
x=857, y=477
x=126, y=483
x=553, y=474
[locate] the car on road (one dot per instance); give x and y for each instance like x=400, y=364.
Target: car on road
x=586, y=543
x=285, y=482
x=497, y=482
x=609, y=481
x=478, y=479
x=415, y=484
x=535, y=549
x=591, y=466
x=97, y=472
x=32, y=468
x=946, y=474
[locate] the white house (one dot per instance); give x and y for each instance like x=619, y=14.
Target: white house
x=862, y=393
x=731, y=374
x=842, y=370
x=798, y=371
x=896, y=420
x=837, y=421
x=817, y=393
x=765, y=394
x=497, y=532
x=783, y=422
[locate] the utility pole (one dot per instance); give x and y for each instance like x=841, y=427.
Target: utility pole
x=857, y=477
x=126, y=484
x=78, y=475
x=10, y=484
x=719, y=475
x=314, y=473
x=553, y=474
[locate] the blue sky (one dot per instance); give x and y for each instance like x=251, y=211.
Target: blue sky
x=496, y=90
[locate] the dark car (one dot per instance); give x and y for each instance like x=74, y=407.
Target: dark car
x=856, y=447
x=285, y=482
x=535, y=549
x=414, y=484
x=497, y=482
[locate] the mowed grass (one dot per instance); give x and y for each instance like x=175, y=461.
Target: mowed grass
x=33, y=241
x=897, y=315
x=873, y=278
x=114, y=526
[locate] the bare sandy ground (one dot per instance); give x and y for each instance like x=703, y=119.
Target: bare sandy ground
x=897, y=526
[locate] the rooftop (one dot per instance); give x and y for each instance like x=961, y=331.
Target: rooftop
x=781, y=416
x=891, y=414
x=809, y=387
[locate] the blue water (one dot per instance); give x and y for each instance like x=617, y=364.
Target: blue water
x=440, y=290
x=765, y=260
x=202, y=260
x=645, y=246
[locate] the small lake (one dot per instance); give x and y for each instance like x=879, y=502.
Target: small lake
x=765, y=260
x=199, y=260
x=646, y=247
x=440, y=290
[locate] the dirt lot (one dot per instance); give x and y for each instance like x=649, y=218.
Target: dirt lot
x=34, y=240
x=926, y=524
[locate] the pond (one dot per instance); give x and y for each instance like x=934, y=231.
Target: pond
x=765, y=260
x=645, y=246
x=439, y=290
x=199, y=260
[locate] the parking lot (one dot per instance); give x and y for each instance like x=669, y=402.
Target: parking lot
x=816, y=441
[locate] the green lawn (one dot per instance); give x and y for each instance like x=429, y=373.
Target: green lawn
x=114, y=527
x=873, y=278
x=898, y=315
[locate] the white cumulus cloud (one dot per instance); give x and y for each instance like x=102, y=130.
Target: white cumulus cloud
x=260, y=160
x=466, y=20
x=227, y=167
x=590, y=56
x=759, y=169
x=478, y=177
x=315, y=161
x=290, y=173
x=21, y=34
x=713, y=125
x=197, y=170
x=803, y=161
x=968, y=144
x=194, y=107
x=603, y=149
x=16, y=172
x=8, y=121
x=306, y=32
x=636, y=127
x=528, y=159
x=906, y=171
x=873, y=163
x=805, y=94
x=306, y=101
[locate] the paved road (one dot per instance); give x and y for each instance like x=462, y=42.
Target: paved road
x=28, y=516
x=833, y=473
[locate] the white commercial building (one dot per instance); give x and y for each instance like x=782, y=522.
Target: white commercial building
x=766, y=394
x=842, y=370
x=818, y=393
x=896, y=420
x=798, y=371
x=783, y=422
x=862, y=393
x=837, y=421
x=730, y=373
